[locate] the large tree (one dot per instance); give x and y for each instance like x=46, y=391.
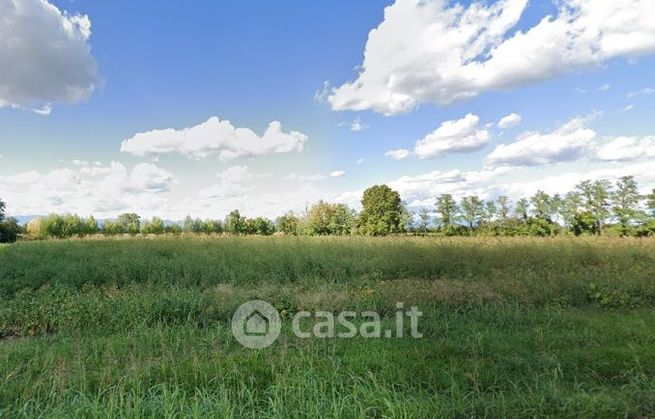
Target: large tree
x=569, y=208
x=2, y=209
x=595, y=199
x=542, y=205
x=504, y=207
x=423, y=220
x=447, y=208
x=521, y=210
x=288, y=223
x=234, y=222
x=381, y=211
x=626, y=201
x=129, y=222
x=324, y=218
x=472, y=210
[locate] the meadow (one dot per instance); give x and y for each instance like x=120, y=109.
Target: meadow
x=140, y=327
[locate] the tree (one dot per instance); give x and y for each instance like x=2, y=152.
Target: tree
x=584, y=223
x=569, y=208
x=504, y=207
x=212, y=226
x=234, y=222
x=324, y=218
x=191, y=225
x=447, y=209
x=542, y=205
x=423, y=220
x=490, y=211
x=288, y=223
x=595, y=199
x=626, y=199
x=406, y=218
x=129, y=223
x=91, y=225
x=154, y=226
x=651, y=203
x=381, y=211
x=472, y=210
x=521, y=210
x=259, y=225
x=9, y=229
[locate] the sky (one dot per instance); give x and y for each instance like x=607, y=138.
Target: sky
x=203, y=107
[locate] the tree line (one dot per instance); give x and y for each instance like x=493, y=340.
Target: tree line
x=592, y=208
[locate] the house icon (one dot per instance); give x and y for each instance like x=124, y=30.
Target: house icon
x=256, y=324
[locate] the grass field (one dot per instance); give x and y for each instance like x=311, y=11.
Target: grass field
x=511, y=327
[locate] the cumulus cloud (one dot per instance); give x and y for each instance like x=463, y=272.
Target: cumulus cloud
x=422, y=190
x=45, y=56
x=571, y=141
x=436, y=51
x=215, y=137
x=457, y=136
x=398, y=154
x=627, y=148
x=509, y=121
x=104, y=193
x=337, y=173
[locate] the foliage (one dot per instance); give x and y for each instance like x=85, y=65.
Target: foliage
x=381, y=211
x=288, y=223
x=324, y=218
x=62, y=226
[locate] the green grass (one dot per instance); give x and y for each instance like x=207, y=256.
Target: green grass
x=512, y=327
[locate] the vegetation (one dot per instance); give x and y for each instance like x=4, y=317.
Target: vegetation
x=593, y=208
x=9, y=228
x=511, y=327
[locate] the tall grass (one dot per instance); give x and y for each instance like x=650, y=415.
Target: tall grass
x=512, y=327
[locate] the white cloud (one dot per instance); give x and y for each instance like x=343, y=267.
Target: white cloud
x=81, y=191
x=356, y=125
x=321, y=95
x=643, y=92
x=337, y=173
x=398, y=154
x=215, y=137
x=305, y=177
x=436, y=51
x=235, y=174
x=360, y=161
x=604, y=88
x=627, y=148
x=223, y=190
x=570, y=141
x=457, y=136
x=149, y=177
x=422, y=190
x=509, y=121
x=45, y=56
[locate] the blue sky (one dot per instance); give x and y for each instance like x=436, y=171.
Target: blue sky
x=81, y=128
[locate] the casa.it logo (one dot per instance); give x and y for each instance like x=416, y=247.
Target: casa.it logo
x=256, y=324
